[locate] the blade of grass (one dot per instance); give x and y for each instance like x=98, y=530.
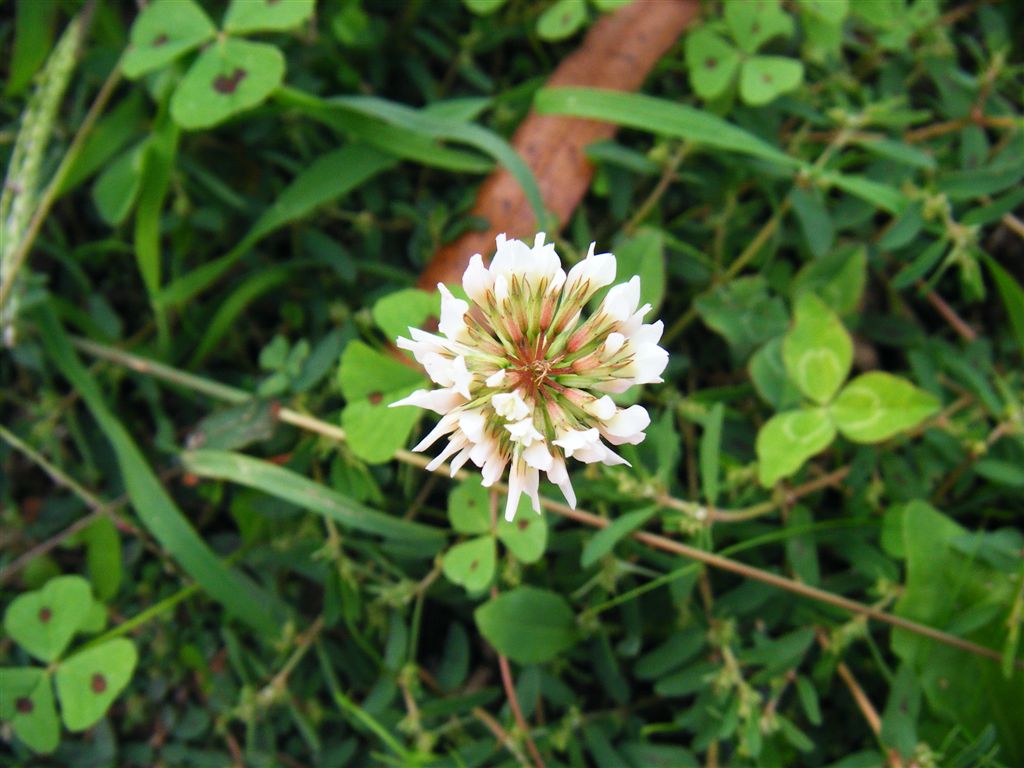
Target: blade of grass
x=285, y=484
x=157, y=512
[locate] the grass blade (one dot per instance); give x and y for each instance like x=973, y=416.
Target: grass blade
x=285, y=484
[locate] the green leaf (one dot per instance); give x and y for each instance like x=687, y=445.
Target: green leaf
x=1012, y=295
x=370, y=382
x=642, y=254
x=562, y=20
x=768, y=373
x=89, y=681
x=877, y=405
x=43, y=622
x=817, y=351
x=817, y=226
x=710, y=453
x=712, y=63
x=899, y=720
x=752, y=23
x=528, y=625
x=483, y=7
x=293, y=487
x=765, y=78
x=245, y=16
x=229, y=77
x=897, y=151
x=117, y=187
x=157, y=512
x=471, y=564
x=526, y=537
x=165, y=30
x=838, y=278
x=235, y=427
x=879, y=195
x=744, y=313
x=602, y=542
x=155, y=181
x=664, y=118
x=103, y=557
x=469, y=507
x=788, y=439
x=33, y=40
x=27, y=704
x=410, y=307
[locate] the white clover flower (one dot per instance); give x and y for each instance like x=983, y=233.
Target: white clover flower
x=523, y=374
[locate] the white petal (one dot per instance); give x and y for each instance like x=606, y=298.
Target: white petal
x=455, y=444
x=628, y=422
x=620, y=302
x=524, y=432
x=437, y=400
x=595, y=270
x=510, y=405
x=456, y=463
x=603, y=408
x=461, y=377
x=500, y=289
x=444, y=426
x=439, y=368
x=613, y=343
x=472, y=425
x=453, y=315
x=558, y=475
x=515, y=490
x=477, y=279
x=537, y=456
x=495, y=379
x=575, y=440
x=648, y=364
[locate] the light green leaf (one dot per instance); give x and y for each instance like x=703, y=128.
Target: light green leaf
x=410, y=307
x=768, y=373
x=1012, y=294
x=752, y=23
x=117, y=186
x=788, y=439
x=712, y=63
x=165, y=30
x=483, y=7
x=765, y=78
x=229, y=77
x=899, y=720
x=744, y=312
x=526, y=537
x=370, y=382
x=293, y=487
x=817, y=351
x=831, y=11
x=528, y=625
x=471, y=564
x=245, y=16
x=27, y=704
x=89, y=681
x=469, y=507
x=817, y=226
x=643, y=254
x=103, y=557
x=838, y=278
x=664, y=118
x=43, y=622
x=710, y=452
x=877, y=405
x=604, y=541
x=879, y=195
x=562, y=20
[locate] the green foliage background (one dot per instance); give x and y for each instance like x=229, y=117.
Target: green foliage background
x=200, y=287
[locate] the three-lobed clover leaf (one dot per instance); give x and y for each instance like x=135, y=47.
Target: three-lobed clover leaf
x=245, y=16
x=764, y=78
x=471, y=564
x=752, y=23
x=817, y=354
x=712, y=62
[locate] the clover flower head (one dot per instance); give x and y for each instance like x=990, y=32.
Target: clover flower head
x=524, y=377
